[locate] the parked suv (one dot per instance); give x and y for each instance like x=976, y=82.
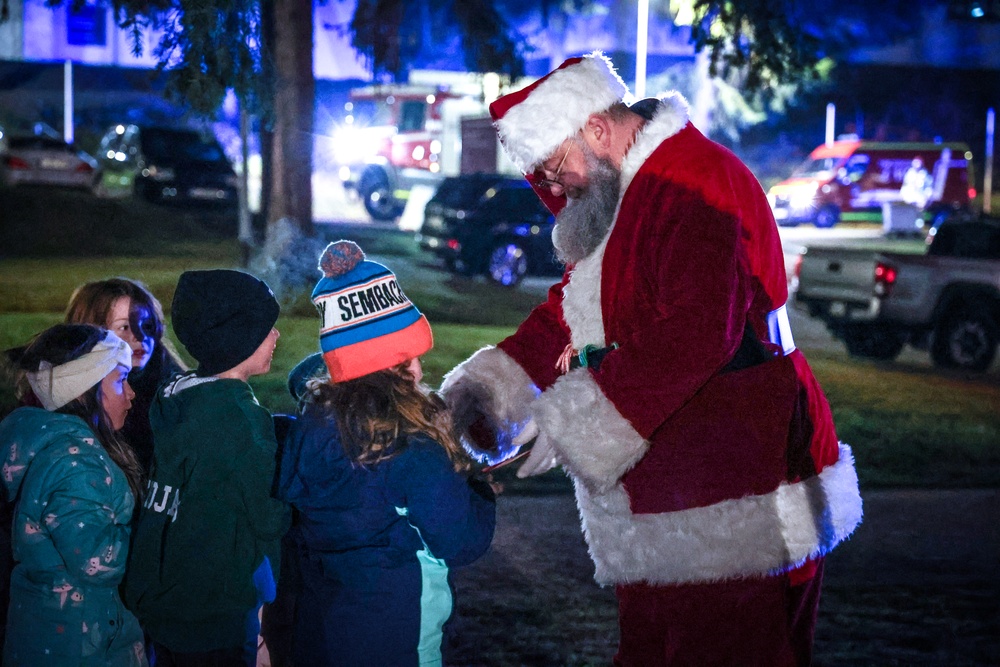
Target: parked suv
x=167, y=165
x=490, y=224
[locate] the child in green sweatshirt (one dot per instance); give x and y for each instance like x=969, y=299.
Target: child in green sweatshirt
x=207, y=543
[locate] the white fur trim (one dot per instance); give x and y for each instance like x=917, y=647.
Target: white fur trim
x=747, y=537
x=670, y=118
x=490, y=382
x=581, y=305
x=558, y=108
x=582, y=296
x=593, y=442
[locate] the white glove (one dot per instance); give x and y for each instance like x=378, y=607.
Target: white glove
x=542, y=456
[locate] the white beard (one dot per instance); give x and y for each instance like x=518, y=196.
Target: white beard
x=585, y=221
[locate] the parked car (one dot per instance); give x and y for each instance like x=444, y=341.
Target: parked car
x=490, y=224
x=167, y=165
x=946, y=301
x=44, y=160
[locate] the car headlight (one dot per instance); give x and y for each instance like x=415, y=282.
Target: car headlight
x=803, y=198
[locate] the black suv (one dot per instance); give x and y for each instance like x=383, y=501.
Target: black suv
x=167, y=165
x=490, y=224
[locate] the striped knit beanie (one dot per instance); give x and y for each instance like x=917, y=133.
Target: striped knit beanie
x=368, y=324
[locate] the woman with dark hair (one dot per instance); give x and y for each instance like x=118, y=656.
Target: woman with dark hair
x=75, y=485
x=127, y=309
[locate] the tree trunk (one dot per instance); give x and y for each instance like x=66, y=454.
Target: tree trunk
x=290, y=194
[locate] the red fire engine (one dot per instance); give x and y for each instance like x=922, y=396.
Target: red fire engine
x=395, y=137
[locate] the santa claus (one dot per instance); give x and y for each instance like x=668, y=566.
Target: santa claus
x=662, y=376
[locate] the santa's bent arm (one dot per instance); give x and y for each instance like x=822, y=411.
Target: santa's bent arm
x=492, y=389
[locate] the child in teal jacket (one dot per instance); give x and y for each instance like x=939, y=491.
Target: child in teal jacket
x=74, y=483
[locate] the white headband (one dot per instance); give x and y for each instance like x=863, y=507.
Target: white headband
x=55, y=386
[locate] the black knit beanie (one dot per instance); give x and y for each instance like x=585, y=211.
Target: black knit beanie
x=222, y=317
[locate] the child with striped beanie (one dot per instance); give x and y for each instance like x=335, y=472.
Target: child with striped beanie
x=381, y=484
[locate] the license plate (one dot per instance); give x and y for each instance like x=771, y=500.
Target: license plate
x=838, y=308
x=51, y=163
x=780, y=213
x=207, y=193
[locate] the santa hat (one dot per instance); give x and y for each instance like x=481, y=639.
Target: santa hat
x=368, y=324
x=534, y=121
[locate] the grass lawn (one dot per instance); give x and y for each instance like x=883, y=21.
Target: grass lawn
x=907, y=428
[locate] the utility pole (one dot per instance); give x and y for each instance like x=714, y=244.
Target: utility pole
x=831, y=115
x=641, y=44
x=988, y=175
x=68, y=101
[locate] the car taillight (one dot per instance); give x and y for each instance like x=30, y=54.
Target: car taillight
x=797, y=270
x=453, y=244
x=885, y=278
x=16, y=163
x=84, y=168
x=972, y=193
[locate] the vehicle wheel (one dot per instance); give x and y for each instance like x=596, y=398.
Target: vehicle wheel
x=508, y=264
x=965, y=339
x=377, y=196
x=873, y=343
x=827, y=217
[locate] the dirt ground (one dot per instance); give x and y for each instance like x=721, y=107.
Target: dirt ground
x=918, y=584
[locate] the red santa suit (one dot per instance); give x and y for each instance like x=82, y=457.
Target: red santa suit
x=709, y=487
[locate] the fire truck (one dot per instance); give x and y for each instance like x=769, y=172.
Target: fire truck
x=396, y=137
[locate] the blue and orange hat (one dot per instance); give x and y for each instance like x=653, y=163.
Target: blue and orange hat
x=368, y=324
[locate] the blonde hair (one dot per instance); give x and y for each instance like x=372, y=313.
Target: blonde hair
x=375, y=411
x=91, y=303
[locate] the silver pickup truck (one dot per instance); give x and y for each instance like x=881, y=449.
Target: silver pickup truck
x=946, y=301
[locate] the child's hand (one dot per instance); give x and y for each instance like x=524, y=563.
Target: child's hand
x=495, y=485
x=484, y=485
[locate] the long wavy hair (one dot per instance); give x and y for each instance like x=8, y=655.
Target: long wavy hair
x=376, y=411
x=91, y=303
x=58, y=345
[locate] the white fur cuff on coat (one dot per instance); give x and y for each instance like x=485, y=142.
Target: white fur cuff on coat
x=753, y=536
x=492, y=384
x=593, y=441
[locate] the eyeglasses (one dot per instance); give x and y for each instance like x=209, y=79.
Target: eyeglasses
x=549, y=183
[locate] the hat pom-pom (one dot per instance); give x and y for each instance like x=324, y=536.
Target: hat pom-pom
x=339, y=258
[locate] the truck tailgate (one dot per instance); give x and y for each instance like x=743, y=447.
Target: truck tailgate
x=842, y=275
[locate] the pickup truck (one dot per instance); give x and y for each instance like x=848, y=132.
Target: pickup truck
x=946, y=301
